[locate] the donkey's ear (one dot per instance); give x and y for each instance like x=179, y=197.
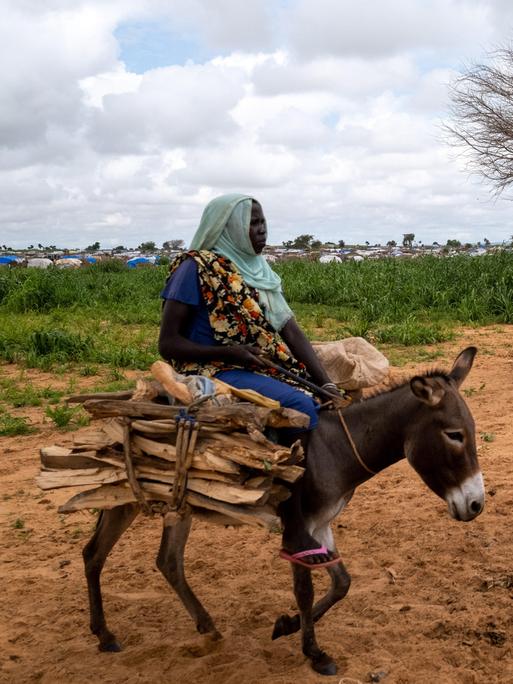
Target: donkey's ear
x=428, y=390
x=463, y=364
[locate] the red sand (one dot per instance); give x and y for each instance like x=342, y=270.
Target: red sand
x=418, y=609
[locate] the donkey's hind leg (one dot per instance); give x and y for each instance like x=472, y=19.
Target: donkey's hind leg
x=170, y=563
x=111, y=525
x=340, y=583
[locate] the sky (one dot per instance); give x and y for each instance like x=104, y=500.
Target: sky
x=121, y=119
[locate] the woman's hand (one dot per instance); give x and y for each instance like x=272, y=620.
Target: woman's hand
x=173, y=343
x=242, y=355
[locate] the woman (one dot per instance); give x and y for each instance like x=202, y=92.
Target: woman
x=224, y=309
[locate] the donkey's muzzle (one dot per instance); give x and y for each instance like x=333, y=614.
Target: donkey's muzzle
x=466, y=501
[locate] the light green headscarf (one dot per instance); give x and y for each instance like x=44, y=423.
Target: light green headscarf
x=224, y=229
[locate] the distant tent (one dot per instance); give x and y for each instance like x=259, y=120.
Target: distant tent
x=39, y=262
x=68, y=263
x=9, y=259
x=140, y=261
x=90, y=259
x=72, y=256
x=327, y=258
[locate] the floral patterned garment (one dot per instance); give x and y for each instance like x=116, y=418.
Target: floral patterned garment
x=235, y=316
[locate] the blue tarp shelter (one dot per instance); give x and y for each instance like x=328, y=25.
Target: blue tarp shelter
x=135, y=261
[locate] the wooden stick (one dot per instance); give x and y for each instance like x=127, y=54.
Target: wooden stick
x=110, y=496
x=53, y=479
x=105, y=497
x=251, y=516
x=73, y=461
x=144, y=472
x=127, y=451
x=182, y=444
x=231, y=415
x=81, y=398
x=145, y=390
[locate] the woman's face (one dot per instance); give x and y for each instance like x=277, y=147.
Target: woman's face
x=257, y=228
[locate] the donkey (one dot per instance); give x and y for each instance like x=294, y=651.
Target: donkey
x=425, y=420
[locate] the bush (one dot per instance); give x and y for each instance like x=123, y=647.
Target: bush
x=60, y=343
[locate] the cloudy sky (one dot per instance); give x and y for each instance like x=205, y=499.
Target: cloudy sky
x=120, y=119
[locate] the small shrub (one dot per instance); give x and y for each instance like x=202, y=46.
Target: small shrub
x=88, y=371
x=59, y=343
x=25, y=394
x=487, y=436
x=67, y=417
x=411, y=332
x=11, y=426
x=108, y=266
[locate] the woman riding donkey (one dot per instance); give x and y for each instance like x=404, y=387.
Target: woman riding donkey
x=223, y=310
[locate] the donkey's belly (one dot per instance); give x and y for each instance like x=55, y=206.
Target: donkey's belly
x=318, y=524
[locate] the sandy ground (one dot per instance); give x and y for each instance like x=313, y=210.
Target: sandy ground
x=431, y=599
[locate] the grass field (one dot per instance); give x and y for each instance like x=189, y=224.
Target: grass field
x=108, y=315
x=99, y=321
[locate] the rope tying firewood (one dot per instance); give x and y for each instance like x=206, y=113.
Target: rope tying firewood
x=132, y=479
x=186, y=436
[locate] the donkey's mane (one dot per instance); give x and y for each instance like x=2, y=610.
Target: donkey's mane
x=401, y=382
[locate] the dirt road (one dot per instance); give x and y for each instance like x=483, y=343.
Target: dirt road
x=431, y=599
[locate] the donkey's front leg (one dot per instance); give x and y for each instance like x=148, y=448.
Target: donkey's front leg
x=170, y=562
x=304, y=592
x=340, y=583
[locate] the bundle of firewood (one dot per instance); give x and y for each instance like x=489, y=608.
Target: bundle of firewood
x=213, y=458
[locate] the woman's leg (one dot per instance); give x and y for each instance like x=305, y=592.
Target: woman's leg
x=295, y=535
x=287, y=395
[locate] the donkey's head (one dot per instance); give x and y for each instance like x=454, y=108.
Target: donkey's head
x=441, y=443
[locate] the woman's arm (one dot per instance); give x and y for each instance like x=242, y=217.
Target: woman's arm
x=300, y=346
x=174, y=345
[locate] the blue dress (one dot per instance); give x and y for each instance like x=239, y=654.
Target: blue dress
x=184, y=286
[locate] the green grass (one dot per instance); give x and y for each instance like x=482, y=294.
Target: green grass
x=487, y=436
x=67, y=417
x=11, y=426
x=109, y=316
x=19, y=393
x=462, y=288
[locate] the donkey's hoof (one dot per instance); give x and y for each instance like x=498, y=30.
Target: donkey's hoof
x=285, y=625
x=111, y=647
x=208, y=628
x=324, y=665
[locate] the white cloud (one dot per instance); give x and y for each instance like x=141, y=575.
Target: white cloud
x=171, y=107
x=327, y=110
x=385, y=27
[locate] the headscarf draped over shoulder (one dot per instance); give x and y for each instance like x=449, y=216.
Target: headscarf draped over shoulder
x=224, y=229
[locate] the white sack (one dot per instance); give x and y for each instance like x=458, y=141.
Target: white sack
x=352, y=363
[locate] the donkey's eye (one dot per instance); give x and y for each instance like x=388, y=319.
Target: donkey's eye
x=455, y=435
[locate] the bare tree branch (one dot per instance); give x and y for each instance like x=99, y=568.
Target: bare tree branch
x=482, y=117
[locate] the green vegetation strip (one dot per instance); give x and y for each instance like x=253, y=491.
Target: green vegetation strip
x=105, y=316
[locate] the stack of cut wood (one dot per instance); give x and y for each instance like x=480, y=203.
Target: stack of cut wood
x=235, y=471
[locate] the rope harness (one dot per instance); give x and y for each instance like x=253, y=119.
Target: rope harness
x=187, y=429
x=353, y=445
